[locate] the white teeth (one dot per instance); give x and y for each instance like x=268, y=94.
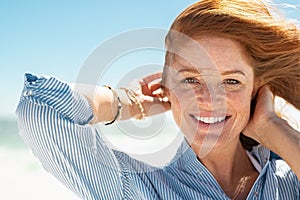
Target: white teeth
x=210, y=120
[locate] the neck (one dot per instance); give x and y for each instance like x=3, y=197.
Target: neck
x=229, y=165
x=229, y=161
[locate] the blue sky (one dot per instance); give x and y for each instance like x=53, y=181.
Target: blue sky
x=55, y=37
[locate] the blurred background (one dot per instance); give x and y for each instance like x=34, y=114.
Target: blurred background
x=54, y=38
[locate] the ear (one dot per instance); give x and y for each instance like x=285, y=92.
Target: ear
x=165, y=91
x=256, y=87
x=165, y=94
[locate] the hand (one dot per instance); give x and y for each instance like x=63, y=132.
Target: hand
x=263, y=114
x=151, y=95
x=273, y=132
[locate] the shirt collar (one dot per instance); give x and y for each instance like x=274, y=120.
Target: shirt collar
x=261, y=154
x=186, y=157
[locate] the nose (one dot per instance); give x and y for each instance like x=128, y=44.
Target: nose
x=211, y=96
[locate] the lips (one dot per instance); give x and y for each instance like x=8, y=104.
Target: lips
x=210, y=120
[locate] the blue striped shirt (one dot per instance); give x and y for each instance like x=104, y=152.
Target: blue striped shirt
x=54, y=121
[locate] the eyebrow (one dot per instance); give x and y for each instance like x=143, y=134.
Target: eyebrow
x=224, y=73
x=187, y=70
x=233, y=72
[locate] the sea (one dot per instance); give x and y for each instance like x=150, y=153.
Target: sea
x=22, y=176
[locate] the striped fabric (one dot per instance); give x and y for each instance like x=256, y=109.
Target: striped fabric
x=53, y=121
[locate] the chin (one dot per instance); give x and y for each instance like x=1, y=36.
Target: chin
x=210, y=140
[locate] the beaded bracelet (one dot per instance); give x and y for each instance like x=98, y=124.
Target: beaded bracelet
x=133, y=97
x=119, y=105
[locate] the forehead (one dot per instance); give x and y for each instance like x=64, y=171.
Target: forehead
x=211, y=53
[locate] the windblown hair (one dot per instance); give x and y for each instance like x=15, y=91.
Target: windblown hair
x=271, y=43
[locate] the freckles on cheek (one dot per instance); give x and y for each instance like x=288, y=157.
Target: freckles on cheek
x=240, y=102
x=242, y=96
x=178, y=108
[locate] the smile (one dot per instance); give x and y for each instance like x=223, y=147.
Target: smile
x=210, y=120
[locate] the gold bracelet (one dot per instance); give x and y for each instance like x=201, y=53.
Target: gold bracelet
x=133, y=97
x=116, y=97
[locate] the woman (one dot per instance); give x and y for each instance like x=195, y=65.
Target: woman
x=225, y=61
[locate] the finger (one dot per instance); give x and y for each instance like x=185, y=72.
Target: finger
x=158, y=92
x=265, y=93
x=266, y=96
x=146, y=90
x=150, y=90
x=158, y=106
x=151, y=77
x=155, y=87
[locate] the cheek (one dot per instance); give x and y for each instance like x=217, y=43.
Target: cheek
x=240, y=104
x=179, y=105
x=176, y=108
x=239, y=101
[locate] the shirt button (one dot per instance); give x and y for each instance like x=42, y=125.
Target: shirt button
x=256, y=194
x=27, y=93
x=199, y=172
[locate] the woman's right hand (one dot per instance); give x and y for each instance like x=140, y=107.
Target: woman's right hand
x=104, y=104
x=151, y=95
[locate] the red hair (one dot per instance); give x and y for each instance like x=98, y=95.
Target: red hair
x=271, y=43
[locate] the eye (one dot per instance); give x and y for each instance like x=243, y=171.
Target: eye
x=231, y=82
x=190, y=80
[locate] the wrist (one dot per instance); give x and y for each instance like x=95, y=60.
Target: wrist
x=136, y=108
x=115, y=103
x=274, y=134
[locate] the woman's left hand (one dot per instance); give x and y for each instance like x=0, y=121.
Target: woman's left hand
x=273, y=132
x=263, y=114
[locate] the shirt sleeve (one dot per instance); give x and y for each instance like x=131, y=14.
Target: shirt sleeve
x=53, y=121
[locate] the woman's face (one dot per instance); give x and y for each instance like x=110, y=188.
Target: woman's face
x=210, y=86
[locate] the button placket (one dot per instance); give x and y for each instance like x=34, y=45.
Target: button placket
x=28, y=93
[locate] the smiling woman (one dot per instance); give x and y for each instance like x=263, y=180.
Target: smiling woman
x=225, y=61
x=211, y=94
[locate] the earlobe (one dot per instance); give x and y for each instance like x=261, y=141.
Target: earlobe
x=256, y=86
